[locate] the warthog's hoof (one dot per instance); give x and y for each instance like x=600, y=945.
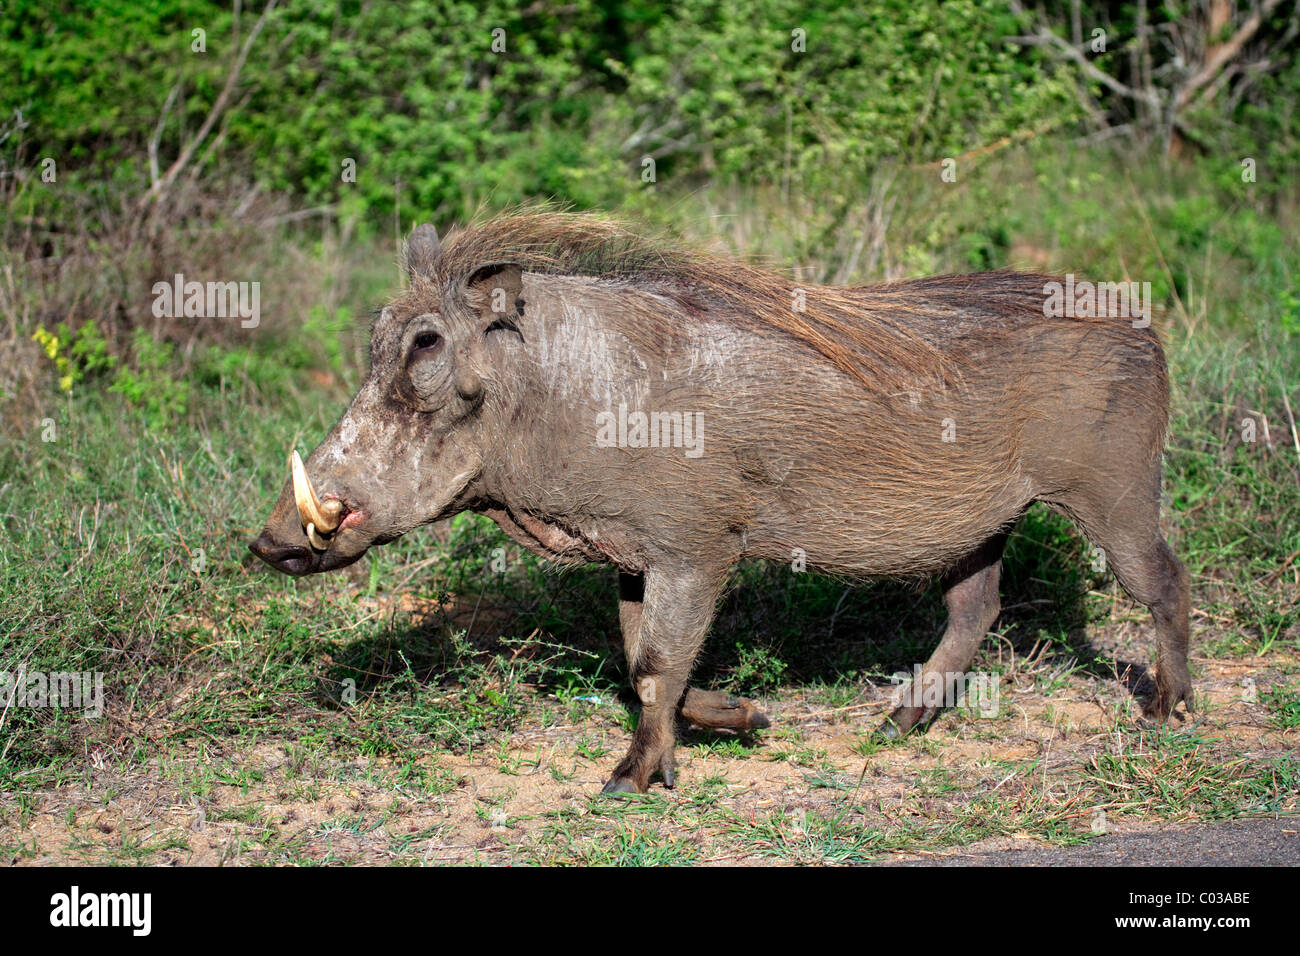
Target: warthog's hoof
x=903, y=720
x=1173, y=686
x=715, y=710
x=634, y=773
x=619, y=785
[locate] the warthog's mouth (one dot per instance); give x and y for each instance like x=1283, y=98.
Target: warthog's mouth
x=298, y=560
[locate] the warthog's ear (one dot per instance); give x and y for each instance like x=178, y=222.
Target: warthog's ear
x=495, y=290
x=421, y=250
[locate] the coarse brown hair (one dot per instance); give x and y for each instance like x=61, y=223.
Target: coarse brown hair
x=868, y=332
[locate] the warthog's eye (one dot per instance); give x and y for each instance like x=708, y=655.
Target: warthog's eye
x=426, y=343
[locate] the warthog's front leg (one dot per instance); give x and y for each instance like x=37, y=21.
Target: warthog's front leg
x=665, y=615
x=711, y=709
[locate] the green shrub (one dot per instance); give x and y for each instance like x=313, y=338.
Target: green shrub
x=153, y=385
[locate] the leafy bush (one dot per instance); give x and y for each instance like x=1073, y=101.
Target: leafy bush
x=76, y=355
x=434, y=119
x=772, y=89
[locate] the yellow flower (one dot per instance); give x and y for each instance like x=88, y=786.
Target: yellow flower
x=49, y=341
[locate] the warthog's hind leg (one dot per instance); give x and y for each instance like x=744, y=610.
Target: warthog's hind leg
x=718, y=711
x=1120, y=513
x=1147, y=568
x=971, y=595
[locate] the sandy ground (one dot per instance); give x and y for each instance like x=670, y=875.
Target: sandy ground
x=1004, y=791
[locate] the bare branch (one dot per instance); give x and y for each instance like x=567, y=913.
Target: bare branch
x=160, y=187
x=1224, y=53
x=157, y=135
x=1045, y=37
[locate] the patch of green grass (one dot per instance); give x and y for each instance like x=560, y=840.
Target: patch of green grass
x=805, y=837
x=635, y=830
x=868, y=745
x=1284, y=706
x=722, y=746
x=635, y=848
x=1182, y=775
x=798, y=756
x=758, y=670
x=592, y=750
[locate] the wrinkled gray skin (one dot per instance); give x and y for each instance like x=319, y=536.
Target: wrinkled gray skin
x=498, y=415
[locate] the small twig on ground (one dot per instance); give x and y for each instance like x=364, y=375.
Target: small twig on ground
x=840, y=710
x=1268, y=578
x=1295, y=437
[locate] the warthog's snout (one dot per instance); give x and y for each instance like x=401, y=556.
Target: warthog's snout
x=307, y=533
x=289, y=558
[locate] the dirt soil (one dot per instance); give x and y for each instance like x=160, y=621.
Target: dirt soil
x=1053, y=769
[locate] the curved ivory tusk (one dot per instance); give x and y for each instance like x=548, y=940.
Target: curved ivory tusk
x=317, y=542
x=324, y=517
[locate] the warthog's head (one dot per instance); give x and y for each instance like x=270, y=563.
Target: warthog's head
x=413, y=443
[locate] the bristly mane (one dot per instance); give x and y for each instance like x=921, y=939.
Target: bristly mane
x=863, y=331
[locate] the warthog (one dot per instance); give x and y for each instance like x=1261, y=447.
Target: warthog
x=899, y=429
